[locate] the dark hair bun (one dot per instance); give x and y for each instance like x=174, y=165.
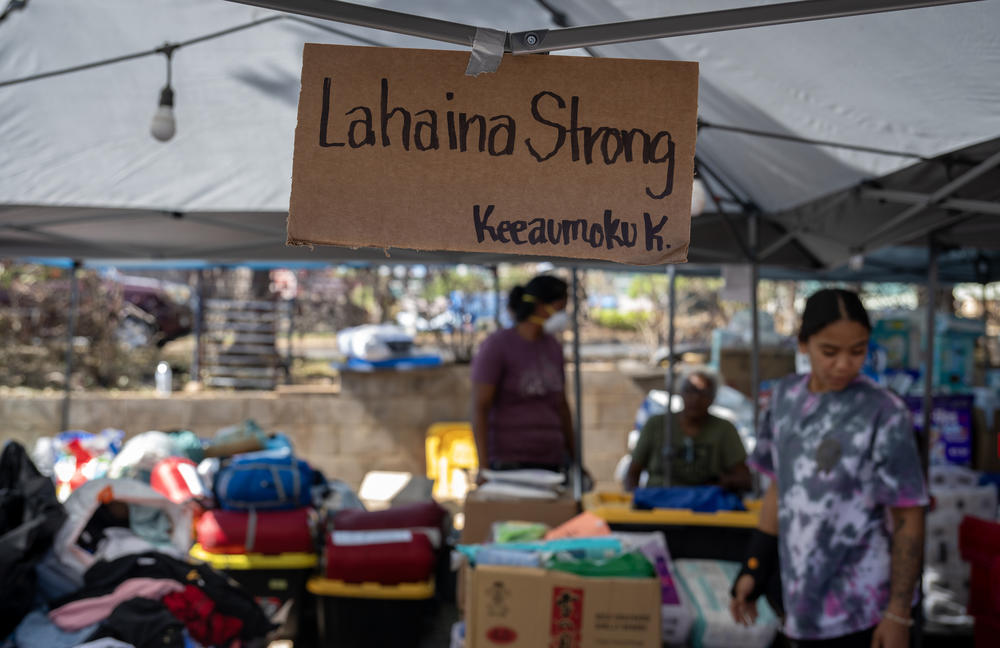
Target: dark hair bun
x=545, y=289
x=828, y=306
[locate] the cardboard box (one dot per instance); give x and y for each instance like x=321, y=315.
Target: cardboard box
x=522, y=607
x=480, y=514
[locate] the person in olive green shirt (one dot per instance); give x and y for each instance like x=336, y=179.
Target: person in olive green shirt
x=707, y=450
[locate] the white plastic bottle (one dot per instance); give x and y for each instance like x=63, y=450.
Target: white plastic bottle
x=164, y=379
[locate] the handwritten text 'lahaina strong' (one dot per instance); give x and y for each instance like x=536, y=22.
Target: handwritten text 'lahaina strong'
x=496, y=136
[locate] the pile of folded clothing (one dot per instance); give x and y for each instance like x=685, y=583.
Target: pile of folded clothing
x=109, y=567
x=522, y=484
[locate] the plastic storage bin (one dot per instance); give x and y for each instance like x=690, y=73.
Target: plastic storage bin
x=707, y=583
x=360, y=615
x=718, y=536
x=451, y=451
x=277, y=581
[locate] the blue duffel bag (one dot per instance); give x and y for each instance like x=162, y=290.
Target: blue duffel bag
x=268, y=480
x=700, y=499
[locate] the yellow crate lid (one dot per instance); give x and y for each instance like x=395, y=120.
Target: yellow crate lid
x=255, y=560
x=402, y=591
x=616, y=508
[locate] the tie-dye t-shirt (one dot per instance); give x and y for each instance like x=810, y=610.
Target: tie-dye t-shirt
x=841, y=459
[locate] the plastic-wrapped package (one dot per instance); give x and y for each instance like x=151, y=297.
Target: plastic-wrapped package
x=89, y=498
x=141, y=453
x=75, y=457
x=707, y=584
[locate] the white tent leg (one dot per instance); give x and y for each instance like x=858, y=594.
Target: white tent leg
x=74, y=307
x=755, y=322
x=928, y=406
x=932, y=287
x=199, y=321
x=497, y=298
x=577, y=391
x=668, y=422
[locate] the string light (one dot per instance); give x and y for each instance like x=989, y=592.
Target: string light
x=164, y=126
x=699, y=196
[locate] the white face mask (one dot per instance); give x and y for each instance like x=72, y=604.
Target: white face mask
x=557, y=323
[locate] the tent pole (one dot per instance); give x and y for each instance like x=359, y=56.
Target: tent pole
x=74, y=307
x=577, y=392
x=545, y=40
x=668, y=421
x=932, y=288
x=289, y=357
x=986, y=318
x=755, y=320
x=945, y=192
x=199, y=303
x=497, y=299
x=928, y=406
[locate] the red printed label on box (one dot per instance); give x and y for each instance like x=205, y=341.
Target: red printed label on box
x=501, y=635
x=567, y=617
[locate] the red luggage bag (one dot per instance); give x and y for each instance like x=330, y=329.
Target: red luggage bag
x=384, y=557
x=266, y=532
x=426, y=517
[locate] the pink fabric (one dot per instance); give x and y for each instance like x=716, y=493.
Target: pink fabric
x=80, y=614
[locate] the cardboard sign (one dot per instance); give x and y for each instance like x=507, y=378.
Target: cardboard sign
x=553, y=156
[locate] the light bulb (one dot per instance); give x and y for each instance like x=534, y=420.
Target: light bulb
x=856, y=262
x=699, y=196
x=164, y=126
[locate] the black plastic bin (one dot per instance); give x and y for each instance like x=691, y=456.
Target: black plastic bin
x=365, y=615
x=278, y=583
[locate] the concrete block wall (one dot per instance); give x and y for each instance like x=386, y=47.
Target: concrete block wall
x=376, y=421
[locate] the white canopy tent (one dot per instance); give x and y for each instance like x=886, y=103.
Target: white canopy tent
x=800, y=122
x=82, y=177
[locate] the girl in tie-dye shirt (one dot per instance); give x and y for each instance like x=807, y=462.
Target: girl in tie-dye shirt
x=847, y=493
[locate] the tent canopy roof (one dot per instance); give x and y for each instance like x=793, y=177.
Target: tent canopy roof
x=83, y=177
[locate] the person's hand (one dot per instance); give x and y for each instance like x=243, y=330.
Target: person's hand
x=744, y=612
x=891, y=634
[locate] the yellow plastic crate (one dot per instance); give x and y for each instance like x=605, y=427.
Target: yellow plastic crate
x=254, y=560
x=401, y=592
x=450, y=447
x=616, y=508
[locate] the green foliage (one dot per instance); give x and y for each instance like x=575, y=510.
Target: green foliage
x=620, y=321
x=656, y=286
x=516, y=275
x=648, y=285
x=441, y=282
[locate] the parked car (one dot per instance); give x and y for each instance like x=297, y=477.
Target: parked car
x=156, y=312
x=152, y=311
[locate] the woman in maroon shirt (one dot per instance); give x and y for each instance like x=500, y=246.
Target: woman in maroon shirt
x=521, y=418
